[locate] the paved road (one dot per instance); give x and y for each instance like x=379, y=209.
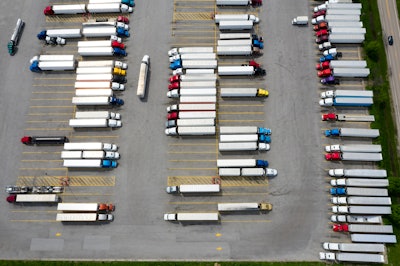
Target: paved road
x=390, y=26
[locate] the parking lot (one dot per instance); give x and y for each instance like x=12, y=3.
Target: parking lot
x=40, y=104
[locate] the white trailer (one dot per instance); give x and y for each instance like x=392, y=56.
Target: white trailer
x=347, y=93
x=243, y=130
x=369, y=228
x=94, y=92
x=245, y=206
x=239, y=138
x=243, y=92
x=346, y=38
x=71, y=155
x=349, y=18
x=338, y=11
x=257, y=171
x=83, y=207
x=95, y=100
x=195, y=56
x=100, y=70
x=191, y=217
x=360, y=182
x=365, y=173
x=361, y=156
x=233, y=2
x=109, y=8
x=199, y=64
x=142, y=81
x=354, y=247
x=352, y=257
x=230, y=36
x=56, y=65
x=190, y=50
x=353, y=209
x=191, y=107
x=239, y=42
x=100, y=155
x=190, y=122
x=348, y=30
x=106, y=43
x=236, y=25
x=357, y=132
x=197, y=84
x=364, y=219
x=99, y=85
x=236, y=70
x=67, y=9
x=97, y=114
x=99, y=31
x=198, y=99
x=90, y=146
x=354, y=148
x=357, y=191
x=190, y=131
x=93, y=122
x=351, y=72
x=373, y=238
x=206, y=188
x=84, y=217
x=94, y=77
x=355, y=118
x=197, y=77
x=243, y=146
x=89, y=163
x=348, y=64
x=240, y=163
x=361, y=200
x=64, y=33
x=21, y=198
x=195, y=114
x=102, y=63
x=340, y=24
x=96, y=51
x=178, y=93
x=235, y=50
x=235, y=17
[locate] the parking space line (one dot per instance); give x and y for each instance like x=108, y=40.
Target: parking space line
x=52, y=92
x=246, y=221
x=52, y=129
x=40, y=161
x=35, y=221
x=59, y=121
x=241, y=121
x=191, y=152
x=191, y=144
x=43, y=114
x=241, y=113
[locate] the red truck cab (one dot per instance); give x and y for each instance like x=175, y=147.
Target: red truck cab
x=319, y=13
x=321, y=32
x=323, y=65
x=254, y=63
x=123, y=19
x=325, y=73
x=116, y=44
x=329, y=117
x=173, y=86
x=48, y=11
x=321, y=26
x=340, y=227
x=173, y=79
x=11, y=198
x=173, y=116
x=334, y=156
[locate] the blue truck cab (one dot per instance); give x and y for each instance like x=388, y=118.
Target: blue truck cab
x=338, y=191
x=130, y=3
x=41, y=35
x=332, y=132
x=116, y=101
x=122, y=32
x=176, y=64
x=34, y=67
x=265, y=131
x=109, y=164
x=258, y=44
x=119, y=51
x=264, y=138
x=329, y=57
x=262, y=163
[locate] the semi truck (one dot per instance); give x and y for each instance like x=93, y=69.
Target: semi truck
x=241, y=70
x=238, y=50
x=245, y=138
x=190, y=131
x=354, y=209
x=235, y=17
x=34, y=198
x=84, y=217
x=202, y=56
x=346, y=101
x=360, y=182
x=208, y=64
x=90, y=163
x=243, y=92
x=90, y=146
x=236, y=25
x=244, y=130
x=206, y=188
x=373, y=238
x=364, y=219
x=189, y=217
x=44, y=140
x=94, y=122
x=99, y=85
x=352, y=132
x=346, y=38
x=352, y=257
x=361, y=200
x=193, y=71
x=354, y=156
x=190, y=122
x=347, y=93
x=192, y=85
x=178, y=93
x=197, y=99
x=99, y=100
x=342, y=63
x=351, y=72
x=101, y=70
x=357, y=191
x=106, y=43
x=103, y=63
x=85, y=207
x=105, y=31
x=15, y=37
x=63, y=33
x=193, y=77
x=233, y=36
x=353, y=148
x=191, y=115
x=101, y=77
x=365, y=173
x=97, y=114
x=101, y=51
x=348, y=117
x=94, y=92
x=243, y=146
x=89, y=155
x=37, y=66
x=191, y=107
x=190, y=50
x=142, y=81
x=241, y=163
x=363, y=228
x=238, y=2
x=245, y=206
x=354, y=247
x=269, y=172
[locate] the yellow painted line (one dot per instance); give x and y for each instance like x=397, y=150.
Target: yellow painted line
x=40, y=161
x=53, y=85
x=193, y=169
x=52, y=92
x=245, y=221
x=46, y=128
x=191, y=144
x=50, y=106
x=241, y=113
x=65, y=121
x=218, y=234
x=241, y=121
x=35, y=221
x=219, y=248
x=190, y=152
x=51, y=99
x=191, y=160
x=53, y=78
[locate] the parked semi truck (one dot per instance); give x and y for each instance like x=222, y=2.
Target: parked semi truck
x=361, y=200
x=346, y=38
x=241, y=163
x=190, y=131
x=243, y=92
x=84, y=217
x=245, y=138
x=191, y=107
x=90, y=163
x=193, y=64
x=101, y=51
x=189, y=217
x=354, y=247
x=192, y=85
x=193, y=77
x=85, y=207
x=195, y=56
x=90, y=146
x=235, y=17
x=354, y=148
x=98, y=115
x=190, y=122
x=240, y=71
x=191, y=115
x=37, y=66
x=142, y=81
x=353, y=209
x=44, y=140
x=269, y=172
x=346, y=101
x=373, y=238
x=38, y=198
x=102, y=63
x=106, y=31
x=363, y=228
x=178, y=93
x=354, y=156
x=363, y=219
x=101, y=77
x=236, y=25
x=94, y=92
x=206, y=188
x=348, y=117
x=99, y=100
x=90, y=155
x=238, y=50
x=243, y=146
x=357, y=191
x=341, y=63
x=352, y=132
x=244, y=130
x=106, y=43
x=352, y=257
x=115, y=86
x=365, y=173
x=245, y=206
x=360, y=182
x=347, y=93
x=198, y=99
x=239, y=2
x=190, y=50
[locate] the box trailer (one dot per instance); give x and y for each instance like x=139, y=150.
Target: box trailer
x=369, y=228
x=243, y=146
x=353, y=209
x=190, y=217
x=352, y=257
x=99, y=85
x=84, y=207
x=64, y=33
x=254, y=172
x=241, y=163
x=198, y=99
x=97, y=114
x=236, y=25
x=190, y=131
x=205, y=188
x=191, y=107
x=373, y=238
x=354, y=148
x=239, y=42
x=361, y=200
x=354, y=247
x=90, y=146
x=56, y=65
x=190, y=50
x=351, y=72
x=39, y=198
x=365, y=173
x=245, y=206
x=357, y=191
x=102, y=63
x=94, y=92
x=230, y=36
x=360, y=182
x=178, y=93
x=94, y=122
x=347, y=93
x=84, y=217
x=90, y=163
x=190, y=122
x=346, y=38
